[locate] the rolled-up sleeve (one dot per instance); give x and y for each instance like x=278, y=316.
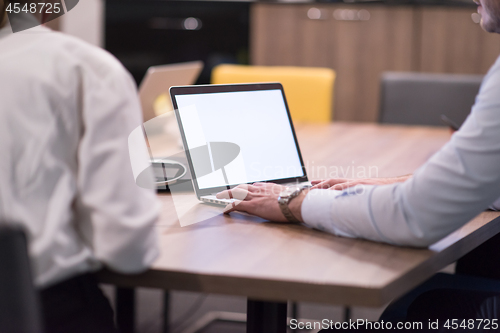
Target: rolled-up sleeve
x=456, y=184
x=117, y=217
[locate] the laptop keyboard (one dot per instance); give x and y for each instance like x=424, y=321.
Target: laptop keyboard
x=213, y=200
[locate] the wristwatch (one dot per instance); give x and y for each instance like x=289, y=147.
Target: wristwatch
x=284, y=199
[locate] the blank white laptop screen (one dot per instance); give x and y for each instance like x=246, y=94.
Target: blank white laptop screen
x=256, y=121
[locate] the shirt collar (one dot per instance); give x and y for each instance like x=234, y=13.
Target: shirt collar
x=6, y=30
x=23, y=17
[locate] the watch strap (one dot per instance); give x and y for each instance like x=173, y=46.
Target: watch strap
x=284, y=201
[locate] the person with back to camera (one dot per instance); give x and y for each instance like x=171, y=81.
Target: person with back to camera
x=66, y=111
x=453, y=186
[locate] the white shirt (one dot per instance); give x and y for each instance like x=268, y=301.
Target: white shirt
x=66, y=110
x=457, y=183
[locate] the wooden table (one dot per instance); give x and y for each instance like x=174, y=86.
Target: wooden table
x=272, y=262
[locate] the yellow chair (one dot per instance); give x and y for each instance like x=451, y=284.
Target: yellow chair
x=309, y=90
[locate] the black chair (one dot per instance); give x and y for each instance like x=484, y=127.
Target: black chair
x=19, y=307
x=420, y=98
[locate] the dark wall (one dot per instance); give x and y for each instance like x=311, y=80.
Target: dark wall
x=155, y=32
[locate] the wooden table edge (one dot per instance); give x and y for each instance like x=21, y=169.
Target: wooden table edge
x=304, y=291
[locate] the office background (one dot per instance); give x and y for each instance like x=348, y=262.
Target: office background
x=359, y=40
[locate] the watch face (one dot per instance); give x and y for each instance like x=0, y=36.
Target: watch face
x=287, y=192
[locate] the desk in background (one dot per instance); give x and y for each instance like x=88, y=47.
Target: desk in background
x=271, y=263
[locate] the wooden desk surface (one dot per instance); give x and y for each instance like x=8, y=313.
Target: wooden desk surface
x=247, y=256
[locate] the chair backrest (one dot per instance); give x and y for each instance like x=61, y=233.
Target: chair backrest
x=19, y=308
x=309, y=90
x=421, y=98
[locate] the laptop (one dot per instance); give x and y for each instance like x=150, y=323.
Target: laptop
x=237, y=134
x=157, y=82
x=159, y=79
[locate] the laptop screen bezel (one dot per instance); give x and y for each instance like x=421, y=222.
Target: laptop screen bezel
x=222, y=88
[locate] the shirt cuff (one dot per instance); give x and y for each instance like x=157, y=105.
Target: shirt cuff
x=316, y=211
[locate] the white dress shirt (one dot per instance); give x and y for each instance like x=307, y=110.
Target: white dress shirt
x=457, y=183
x=66, y=111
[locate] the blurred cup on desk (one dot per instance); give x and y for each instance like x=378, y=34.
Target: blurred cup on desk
x=155, y=140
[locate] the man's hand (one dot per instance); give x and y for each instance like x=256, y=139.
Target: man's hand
x=343, y=183
x=261, y=199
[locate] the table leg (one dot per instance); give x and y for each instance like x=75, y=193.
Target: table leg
x=347, y=313
x=125, y=309
x=295, y=311
x=166, y=311
x=266, y=317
